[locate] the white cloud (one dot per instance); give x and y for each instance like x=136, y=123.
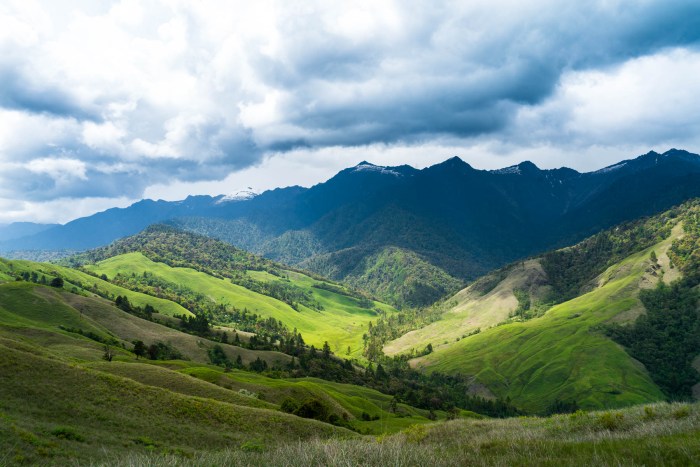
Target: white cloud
x=12, y=210
x=62, y=170
x=648, y=102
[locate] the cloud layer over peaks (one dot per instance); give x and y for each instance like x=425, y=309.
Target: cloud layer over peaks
x=106, y=99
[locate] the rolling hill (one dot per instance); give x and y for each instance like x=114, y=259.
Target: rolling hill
x=61, y=400
x=607, y=323
x=217, y=278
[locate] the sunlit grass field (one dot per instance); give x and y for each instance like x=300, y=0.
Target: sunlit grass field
x=341, y=322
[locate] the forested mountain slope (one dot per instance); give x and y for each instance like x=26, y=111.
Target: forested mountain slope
x=447, y=220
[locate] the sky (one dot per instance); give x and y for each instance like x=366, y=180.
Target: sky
x=103, y=102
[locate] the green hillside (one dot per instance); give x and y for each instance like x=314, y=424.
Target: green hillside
x=538, y=354
x=86, y=283
x=60, y=399
x=341, y=320
x=62, y=403
x=210, y=277
x=399, y=276
x=485, y=303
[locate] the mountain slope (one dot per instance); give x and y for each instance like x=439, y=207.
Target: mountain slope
x=60, y=400
x=215, y=278
x=537, y=357
x=463, y=221
x=22, y=229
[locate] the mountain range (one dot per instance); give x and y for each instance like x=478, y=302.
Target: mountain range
x=168, y=346
x=408, y=236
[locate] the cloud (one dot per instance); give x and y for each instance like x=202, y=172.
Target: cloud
x=105, y=99
x=649, y=101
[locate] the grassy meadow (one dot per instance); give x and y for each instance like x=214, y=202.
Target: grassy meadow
x=654, y=434
x=341, y=322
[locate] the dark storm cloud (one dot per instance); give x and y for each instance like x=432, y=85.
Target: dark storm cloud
x=447, y=83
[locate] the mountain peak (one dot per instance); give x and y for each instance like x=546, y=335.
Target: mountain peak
x=525, y=167
x=239, y=195
x=528, y=167
x=365, y=166
x=453, y=163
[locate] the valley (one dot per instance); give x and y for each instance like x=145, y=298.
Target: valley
x=225, y=353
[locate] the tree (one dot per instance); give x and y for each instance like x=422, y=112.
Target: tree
x=326, y=350
x=381, y=373
x=108, y=354
x=139, y=349
x=56, y=282
x=653, y=257
x=393, y=406
x=258, y=365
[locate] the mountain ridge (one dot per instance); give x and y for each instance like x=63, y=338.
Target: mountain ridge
x=461, y=220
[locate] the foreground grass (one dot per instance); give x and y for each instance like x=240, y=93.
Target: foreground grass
x=657, y=434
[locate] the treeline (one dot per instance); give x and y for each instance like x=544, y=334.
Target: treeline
x=393, y=376
x=176, y=248
x=667, y=338
x=570, y=269
x=390, y=327
x=166, y=244
x=685, y=252
x=283, y=291
x=360, y=300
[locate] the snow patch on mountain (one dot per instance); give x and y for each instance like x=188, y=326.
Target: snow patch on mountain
x=240, y=195
x=611, y=168
x=368, y=167
x=513, y=169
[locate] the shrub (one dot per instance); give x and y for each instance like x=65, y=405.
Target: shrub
x=289, y=405
x=415, y=433
x=67, y=433
x=313, y=408
x=611, y=421
x=648, y=413
x=682, y=412
x=246, y=393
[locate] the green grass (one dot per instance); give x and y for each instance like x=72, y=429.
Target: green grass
x=344, y=398
x=342, y=322
x=84, y=282
x=470, y=309
x=30, y=308
x=581, y=439
x=41, y=396
x=60, y=401
x=561, y=355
